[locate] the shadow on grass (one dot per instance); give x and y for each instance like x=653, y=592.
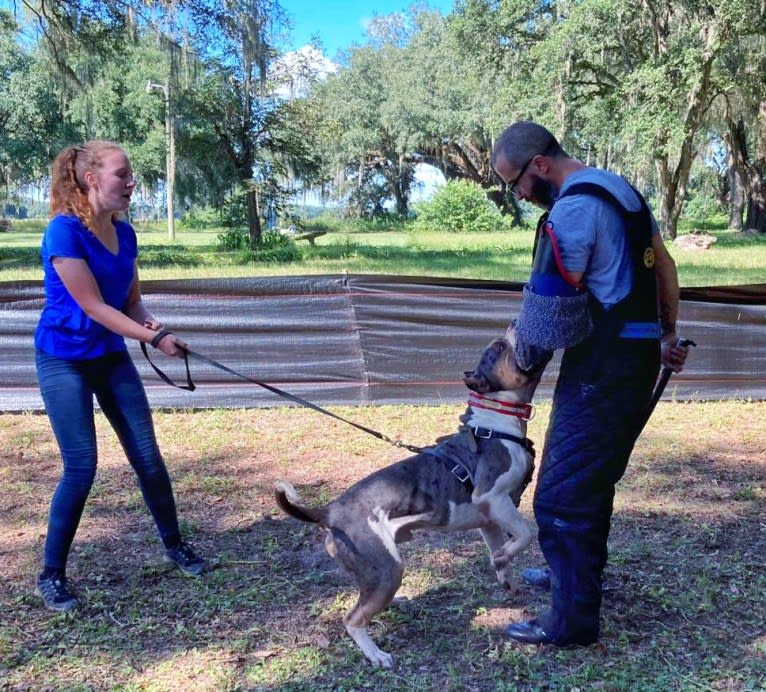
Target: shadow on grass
x=161, y=256
x=684, y=593
x=733, y=240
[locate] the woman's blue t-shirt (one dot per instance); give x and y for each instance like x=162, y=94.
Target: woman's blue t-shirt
x=64, y=330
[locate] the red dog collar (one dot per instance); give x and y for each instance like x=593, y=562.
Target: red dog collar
x=523, y=411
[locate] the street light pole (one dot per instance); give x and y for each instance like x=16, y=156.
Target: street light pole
x=170, y=155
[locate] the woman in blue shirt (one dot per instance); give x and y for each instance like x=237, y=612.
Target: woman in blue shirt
x=92, y=302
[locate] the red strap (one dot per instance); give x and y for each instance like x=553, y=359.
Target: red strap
x=507, y=408
x=566, y=275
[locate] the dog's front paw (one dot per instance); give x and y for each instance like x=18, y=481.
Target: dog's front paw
x=382, y=659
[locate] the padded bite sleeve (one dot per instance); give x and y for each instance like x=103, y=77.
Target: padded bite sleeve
x=547, y=323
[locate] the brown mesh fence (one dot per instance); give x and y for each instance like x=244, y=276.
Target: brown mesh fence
x=368, y=339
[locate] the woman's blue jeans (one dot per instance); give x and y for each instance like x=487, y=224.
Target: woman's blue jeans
x=67, y=388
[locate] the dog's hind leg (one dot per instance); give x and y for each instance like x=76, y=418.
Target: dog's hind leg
x=379, y=578
x=369, y=553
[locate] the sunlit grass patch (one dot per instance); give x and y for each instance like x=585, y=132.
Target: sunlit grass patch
x=686, y=550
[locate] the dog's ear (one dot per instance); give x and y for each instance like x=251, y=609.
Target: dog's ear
x=475, y=382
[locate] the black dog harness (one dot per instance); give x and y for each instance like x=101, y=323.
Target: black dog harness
x=455, y=449
x=487, y=434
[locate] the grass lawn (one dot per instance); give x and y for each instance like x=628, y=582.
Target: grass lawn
x=684, y=606
x=685, y=589
x=734, y=259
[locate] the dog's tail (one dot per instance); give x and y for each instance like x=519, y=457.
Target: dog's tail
x=287, y=499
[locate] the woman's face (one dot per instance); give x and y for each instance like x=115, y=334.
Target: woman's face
x=113, y=183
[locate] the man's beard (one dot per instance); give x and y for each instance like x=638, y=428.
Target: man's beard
x=543, y=193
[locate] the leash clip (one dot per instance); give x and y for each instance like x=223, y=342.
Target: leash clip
x=401, y=445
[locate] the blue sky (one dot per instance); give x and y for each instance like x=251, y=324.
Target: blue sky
x=339, y=23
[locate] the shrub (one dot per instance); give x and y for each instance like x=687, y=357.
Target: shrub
x=701, y=207
x=456, y=207
x=275, y=248
x=201, y=218
x=233, y=239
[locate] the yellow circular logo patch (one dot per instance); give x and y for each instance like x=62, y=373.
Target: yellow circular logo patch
x=649, y=258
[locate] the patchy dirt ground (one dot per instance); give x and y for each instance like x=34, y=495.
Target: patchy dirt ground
x=685, y=601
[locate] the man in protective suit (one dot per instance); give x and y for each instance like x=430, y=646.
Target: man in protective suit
x=604, y=288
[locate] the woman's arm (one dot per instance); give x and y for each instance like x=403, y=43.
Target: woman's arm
x=135, y=308
x=137, y=324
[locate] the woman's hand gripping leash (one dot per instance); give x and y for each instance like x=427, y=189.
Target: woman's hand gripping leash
x=173, y=346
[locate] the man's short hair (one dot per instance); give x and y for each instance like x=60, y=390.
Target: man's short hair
x=523, y=140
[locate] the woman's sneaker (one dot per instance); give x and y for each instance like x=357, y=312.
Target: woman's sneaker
x=184, y=557
x=54, y=590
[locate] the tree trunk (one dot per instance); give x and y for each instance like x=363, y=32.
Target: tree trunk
x=736, y=139
x=750, y=170
x=402, y=204
x=673, y=181
x=665, y=198
x=736, y=200
x=756, y=205
x=253, y=218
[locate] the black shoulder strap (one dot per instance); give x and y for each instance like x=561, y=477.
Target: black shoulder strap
x=596, y=190
x=638, y=223
x=641, y=303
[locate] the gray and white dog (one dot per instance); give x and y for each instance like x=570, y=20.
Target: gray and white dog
x=470, y=480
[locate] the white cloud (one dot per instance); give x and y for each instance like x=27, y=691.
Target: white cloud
x=294, y=72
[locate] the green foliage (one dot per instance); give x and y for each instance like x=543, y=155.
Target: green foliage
x=233, y=239
x=457, y=207
x=701, y=207
x=274, y=248
x=622, y=87
x=30, y=117
x=159, y=256
x=717, y=223
x=234, y=210
x=200, y=218
x=20, y=255
x=334, y=223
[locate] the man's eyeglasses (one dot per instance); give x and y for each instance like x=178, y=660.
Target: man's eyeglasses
x=512, y=185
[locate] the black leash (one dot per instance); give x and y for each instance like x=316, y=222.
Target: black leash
x=663, y=381
x=190, y=386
